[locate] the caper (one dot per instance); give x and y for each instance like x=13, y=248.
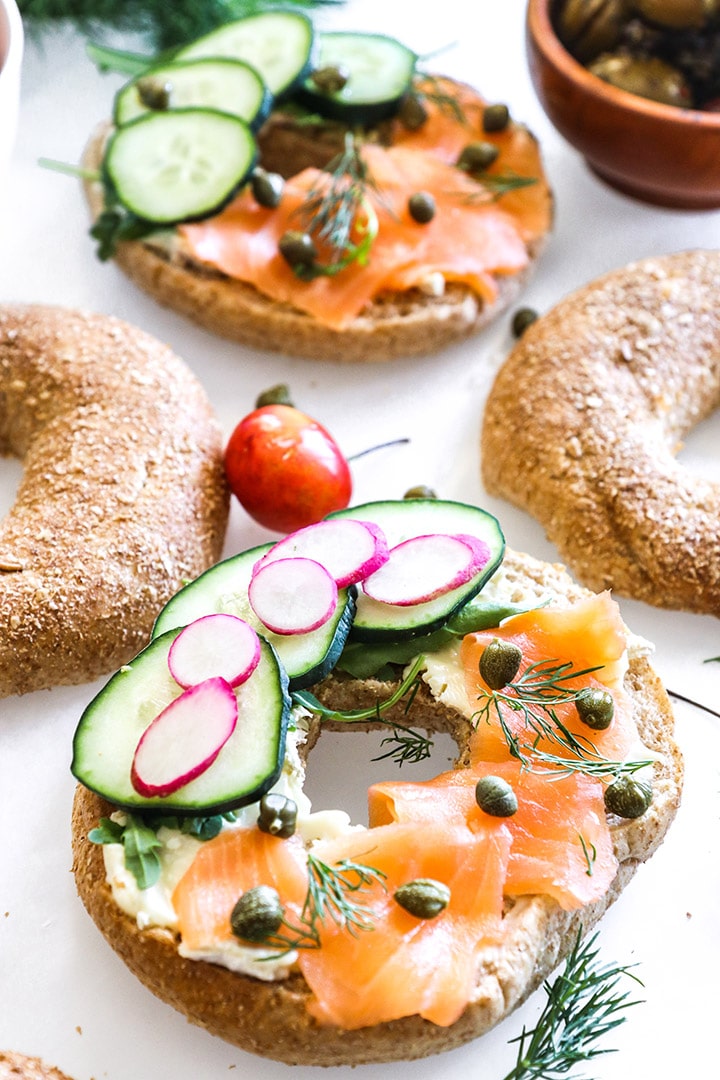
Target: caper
x=477, y=156
x=677, y=14
x=278, y=815
x=495, y=117
x=648, y=77
x=523, y=318
x=424, y=897
x=330, y=79
x=421, y=207
x=588, y=27
x=297, y=248
x=499, y=663
x=495, y=796
x=628, y=797
x=154, y=93
x=274, y=395
x=267, y=187
x=257, y=914
x=420, y=491
x=595, y=708
x=412, y=114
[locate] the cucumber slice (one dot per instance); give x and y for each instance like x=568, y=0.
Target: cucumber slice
x=179, y=165
x=246, y=767
x=277, y=43
x=220, y=84
x=379, y=72
x=375, y=621
x=307, y=658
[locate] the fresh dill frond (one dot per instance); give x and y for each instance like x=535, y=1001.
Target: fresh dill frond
x=492, y=186
x=406, y=744
x=584, y=1003
x=441, y=93
x=600, y=767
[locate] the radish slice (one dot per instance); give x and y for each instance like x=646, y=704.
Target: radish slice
x=426, y=567
x=349, y=550
x=217, y=644
x=184, y=739
x=292, y=596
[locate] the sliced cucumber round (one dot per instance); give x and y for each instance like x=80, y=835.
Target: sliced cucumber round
x=246, y=767
x=377, y=70
x=179, y=165
x=220, y=84
x=277, y=43
x=402, y=520
x=307, y=658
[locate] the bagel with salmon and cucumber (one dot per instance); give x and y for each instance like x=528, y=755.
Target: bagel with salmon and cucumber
x=291, y=931
x=321, y=212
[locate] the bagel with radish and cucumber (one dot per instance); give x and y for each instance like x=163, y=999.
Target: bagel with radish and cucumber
x=332, y=199
x=295, y=933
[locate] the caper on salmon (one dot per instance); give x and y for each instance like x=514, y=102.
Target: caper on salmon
x=495, y=117
x=495, y=796
x=421, y=207
x=477, y=156
x=277, y=815
x=267, y=187
x=500, y=663
x=628, y=797
x=425, y=898
x=412, y=114
x=298, y=249
x=257, y=914
x=595, y=707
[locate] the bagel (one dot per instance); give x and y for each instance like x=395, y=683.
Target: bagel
x=272, y=1018
x=122, y=495
x=392, y=323
x=15, y=1066
x=585, y=417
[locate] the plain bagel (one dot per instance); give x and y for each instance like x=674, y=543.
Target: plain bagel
x=15, y=1066
x=271, y=1018
x=586, y=416
x=122, y=495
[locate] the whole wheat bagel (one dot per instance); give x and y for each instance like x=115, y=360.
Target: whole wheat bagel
x=586, y=416
x=14, y=1066
x=122, y=495
x=393, y=324
x=271, y=1018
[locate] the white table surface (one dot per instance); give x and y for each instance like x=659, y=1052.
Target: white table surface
x=64, y=995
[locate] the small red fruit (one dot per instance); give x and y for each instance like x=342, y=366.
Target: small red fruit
x=286, y=469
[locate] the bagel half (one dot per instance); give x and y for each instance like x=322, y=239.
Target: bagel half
x=271, y=1018
x=122, y=498
x=394, y=324
x=585, y=418
x=15, y=1066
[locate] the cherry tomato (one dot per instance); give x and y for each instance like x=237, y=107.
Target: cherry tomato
x=286, y=469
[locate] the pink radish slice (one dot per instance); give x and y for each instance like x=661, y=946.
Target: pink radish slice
x=348, y=549
x=184, y=739
x=212, y=645
x=292, y=596
x=426, y=567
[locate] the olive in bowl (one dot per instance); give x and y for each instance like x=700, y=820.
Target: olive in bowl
x=667, y=154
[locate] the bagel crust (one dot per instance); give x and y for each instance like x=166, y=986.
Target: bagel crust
x=393, y=325
x=271, y=1018
x=122, y=497
x=586, y=415
x=15, y=1066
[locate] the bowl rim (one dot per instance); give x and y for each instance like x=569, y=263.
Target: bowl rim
x=13, y=56
x=542, y=33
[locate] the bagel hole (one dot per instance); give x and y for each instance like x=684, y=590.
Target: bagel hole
x=701, y=448
x=340, y=767
x=11, y=471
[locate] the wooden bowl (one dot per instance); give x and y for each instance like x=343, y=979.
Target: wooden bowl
x=11, y=50
x=658, y=153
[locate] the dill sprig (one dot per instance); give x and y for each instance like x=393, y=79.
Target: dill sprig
x=411, y=745
x=583, y=1004
x=601, y=768
x=492, y=186
x=337, y=208
x=434, y=88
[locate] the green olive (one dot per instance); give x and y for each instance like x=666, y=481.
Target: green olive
x=298, y=248
x=495, y=117
x=421, y=207
x=523, y=318
x=412, y=114
x=420, y=491
x=495, y=796
x=589, y=27
x=278, y=815
x=477, y=156
x=595, y=708
x=677, y=14
x=154, y=93
x=267, y=187
x=499, y=663
x=424, y=897
x=274, y=395
x=331, y=79
x=647, y=77
x=257, y=914
x=628, y=797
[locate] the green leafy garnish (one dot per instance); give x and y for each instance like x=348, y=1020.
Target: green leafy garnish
x=584, y=1003
x=590, y=853
x=492, y=186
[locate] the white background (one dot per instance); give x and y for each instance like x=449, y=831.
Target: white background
x=63, y=993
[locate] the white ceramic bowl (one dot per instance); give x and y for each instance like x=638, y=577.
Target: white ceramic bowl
x=11, y=49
